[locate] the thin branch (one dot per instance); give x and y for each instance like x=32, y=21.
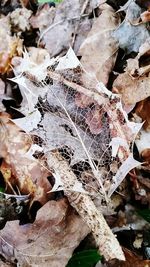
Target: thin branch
x=106, y=241
x=101, y=100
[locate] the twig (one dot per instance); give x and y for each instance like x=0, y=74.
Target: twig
x=106, y=241
x=101, y=100
x=77, y=26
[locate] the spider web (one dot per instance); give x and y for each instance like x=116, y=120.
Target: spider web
x=77, y=125
x=80, y=131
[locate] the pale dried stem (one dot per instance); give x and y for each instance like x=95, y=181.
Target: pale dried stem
x=106, y=241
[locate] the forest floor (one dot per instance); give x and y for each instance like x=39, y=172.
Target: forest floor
x=75, y=133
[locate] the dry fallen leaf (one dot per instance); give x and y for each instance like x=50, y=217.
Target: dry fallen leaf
x=142, y=110
x=134, y=83
x=5, y=264
x=131, y=260
x=143, y=144
x=43, y=18
x=145, y=16
x=94, y=120
x=49, y=241
x=10, y=48
x=19, y=19
x=29, y=175
x=107, y=243
x=82, y=101
x=131, y=36
x=35, y=62
x=132, y=90
x=139, y=66
x=66, y=23
x=99, y=50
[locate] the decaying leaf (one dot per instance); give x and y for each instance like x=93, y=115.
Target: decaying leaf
x=139, y=66
x=143, y=143
x=94, y=120
x=133, y=84
x=18, y=170
x=20, y=19
x=131, y=260
x=34, y=64
x=131, y=36
x=5, y=264
x=142, y=110
x=29, y=122
x=61, y=134
x=75, y=135
x=132, y=90
x=145, y=16
x=50, y=240
x=65, y=23
x=43, y=18
x=10, y=48
x=99, y=50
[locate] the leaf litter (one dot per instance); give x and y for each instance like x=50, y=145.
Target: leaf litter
x=68, y=134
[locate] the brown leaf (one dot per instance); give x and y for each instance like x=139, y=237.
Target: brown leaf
x=94, y=120
x=12, y=140
x=82, y=100
x=146, y=155
x=133, y=85
x=142, y=110
x=43, y=17
x=145, y=16
x=139, y=66
x=99, y=50
x=66, y=23
x=18, y=170
x=10, y=48
x=131, y=260
x=132, y=90
x=5, y=264
x=49, y=241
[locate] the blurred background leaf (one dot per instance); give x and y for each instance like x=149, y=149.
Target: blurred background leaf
x=145, y=214
x=86, y=258
x=46, y=1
